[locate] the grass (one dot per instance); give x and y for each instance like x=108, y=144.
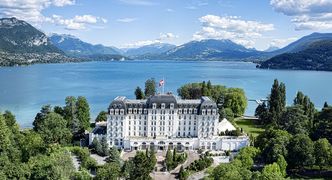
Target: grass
x=249, y=127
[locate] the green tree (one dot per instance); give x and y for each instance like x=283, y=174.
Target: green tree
x=104, y=146
x=323, y=125
x=114, y=156
x=307, y=106
x=150, y=87
x=282, y=163
x=102, y=116
x=322, y=152
x=273, y=143
x=58, y=165
x=140, y=169
x=169, y=160
x=247, y=156
x=53, y=129
x=31, y=144
x=127, y=169
x=277, y=101
x=152, y=159
x=183, y=175
x=301, y=151
x=272, y=172
x=83, y=112
x=139, y=93
x=109, y=171
x=236, y=100
x=294, y=121
x=5, y=134
x=96, y=146
x=46, y=109
x=70, y=111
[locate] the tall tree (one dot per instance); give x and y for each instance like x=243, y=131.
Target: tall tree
x=169, y=160
x=110, y=171
x=322, y=152
x=323, y=124
x=140, y=170
x=277, y=101
x=150, y=87
x=53, y=129
x=139, y=93
x=71, y=114
x=5, y=133
x=282, y=163
x=46, y=109
x=83, y=112
x=104, y=146
x=102, y=116
x=307, y=106
x=294, y=121
x=273, y=143
x=301, y=151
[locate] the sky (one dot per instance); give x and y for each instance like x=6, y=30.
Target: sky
x=132, y=23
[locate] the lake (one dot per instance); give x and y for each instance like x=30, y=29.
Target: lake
x=25, y=89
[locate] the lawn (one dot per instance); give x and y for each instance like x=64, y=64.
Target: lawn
x=249, y=127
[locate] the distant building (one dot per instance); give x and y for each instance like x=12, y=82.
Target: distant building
x=165, y=121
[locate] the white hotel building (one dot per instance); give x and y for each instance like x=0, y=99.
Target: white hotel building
x=165, y=121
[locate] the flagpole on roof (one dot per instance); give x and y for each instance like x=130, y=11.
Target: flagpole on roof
x=163, y=85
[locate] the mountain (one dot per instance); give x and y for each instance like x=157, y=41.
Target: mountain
x=271, y=49
x=18, y=36
x=149, y=50
x=210, y=49
x=73, y=46
x=22, y=44
x=303, y=43
x=316, y=56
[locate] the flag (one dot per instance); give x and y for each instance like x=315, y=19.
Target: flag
x=161, y=83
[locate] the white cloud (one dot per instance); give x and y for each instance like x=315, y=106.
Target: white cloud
x=170, y=10
x=306, y=14
x=167, y=36
x=31, y=11
x=126, y=20
x=138, y=2
x=231, y=27
x=61, y=3
x=282, y=42
x=76, y=23
x=163, y=37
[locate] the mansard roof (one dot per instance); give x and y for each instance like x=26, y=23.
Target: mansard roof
x=122, y=102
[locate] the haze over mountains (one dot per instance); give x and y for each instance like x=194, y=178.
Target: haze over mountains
x=21, y=43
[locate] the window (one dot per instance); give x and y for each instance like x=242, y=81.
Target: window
x=154, y=106
x=172, y=106
x=195, y=111
x=163, y=106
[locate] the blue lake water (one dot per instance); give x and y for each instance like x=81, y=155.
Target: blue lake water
x=25, y=89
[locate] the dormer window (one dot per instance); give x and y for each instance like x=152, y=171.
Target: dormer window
x=154, y=106
x=163, y=106
x=171, y=106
